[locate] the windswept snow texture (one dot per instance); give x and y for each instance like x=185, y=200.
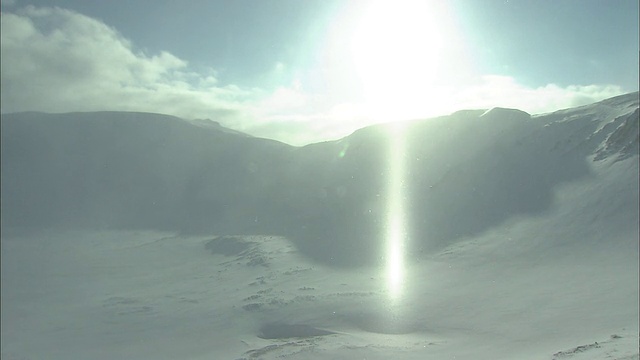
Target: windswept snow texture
x=143, y=236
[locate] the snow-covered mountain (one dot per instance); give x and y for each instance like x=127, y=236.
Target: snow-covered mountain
x=130, y=235
x=465, y=173
x=129, y=170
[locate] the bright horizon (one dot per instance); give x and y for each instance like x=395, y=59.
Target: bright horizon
x=303, y=72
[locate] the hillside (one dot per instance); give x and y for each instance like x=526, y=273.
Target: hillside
x=143, y=236
x=464, y=174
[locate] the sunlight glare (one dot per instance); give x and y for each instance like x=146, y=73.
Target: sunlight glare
x=396, y=49
x=396, y=226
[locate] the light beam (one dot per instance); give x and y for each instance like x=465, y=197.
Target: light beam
x=396, y=226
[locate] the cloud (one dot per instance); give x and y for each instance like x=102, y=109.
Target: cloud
x=57, y=60
x=504, y=91
x=299, y=118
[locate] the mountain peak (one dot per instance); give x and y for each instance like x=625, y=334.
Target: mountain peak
x=507, y=113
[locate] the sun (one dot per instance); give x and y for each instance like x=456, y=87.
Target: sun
x=397, y=49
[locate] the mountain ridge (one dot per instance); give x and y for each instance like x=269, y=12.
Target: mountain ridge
x=465, y=173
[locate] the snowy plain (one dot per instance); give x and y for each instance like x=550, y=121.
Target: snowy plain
x=556, y=283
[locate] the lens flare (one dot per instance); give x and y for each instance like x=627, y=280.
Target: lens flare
x=395, y=263
x=396, y=227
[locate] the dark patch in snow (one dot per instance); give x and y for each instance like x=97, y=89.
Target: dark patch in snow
x=258, y=260
x=288, y=349
x=596, y=345
x=252, y=307
x=579, y=349
x=227, y=246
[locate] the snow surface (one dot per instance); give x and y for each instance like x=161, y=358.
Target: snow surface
x=556, y=278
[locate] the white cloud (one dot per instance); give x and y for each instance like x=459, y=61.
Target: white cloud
x=57, y=60
x=299, y=118
x=504, y=91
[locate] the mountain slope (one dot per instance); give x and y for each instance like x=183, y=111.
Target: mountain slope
x=128, y=170
x=523, y=239
x=464, y=174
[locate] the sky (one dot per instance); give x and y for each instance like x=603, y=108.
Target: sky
x=314, y=70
